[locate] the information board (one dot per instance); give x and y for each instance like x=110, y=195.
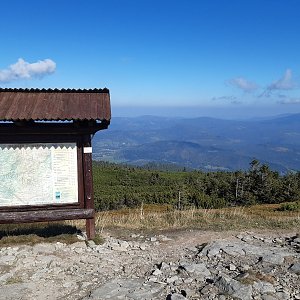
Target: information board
x=38, y=174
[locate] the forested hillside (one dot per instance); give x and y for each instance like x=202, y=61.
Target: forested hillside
x=118, y=186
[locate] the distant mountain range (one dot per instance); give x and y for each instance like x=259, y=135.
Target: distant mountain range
x=202, y=143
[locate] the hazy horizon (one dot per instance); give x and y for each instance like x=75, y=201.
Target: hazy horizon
x=235, y=113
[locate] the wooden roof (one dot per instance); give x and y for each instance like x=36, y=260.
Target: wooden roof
x=54, y=104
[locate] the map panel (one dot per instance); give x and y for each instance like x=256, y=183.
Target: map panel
x=37, y=174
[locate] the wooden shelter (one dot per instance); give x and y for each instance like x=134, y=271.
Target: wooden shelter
x=46, y=154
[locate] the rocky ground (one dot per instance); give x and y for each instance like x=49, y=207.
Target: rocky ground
x=177, y=265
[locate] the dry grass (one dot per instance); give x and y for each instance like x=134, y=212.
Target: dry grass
x=256, y=276
x=259, y=216
x=13, y=280
x=155, y=217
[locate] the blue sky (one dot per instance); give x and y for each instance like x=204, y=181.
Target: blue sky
x=219, y=58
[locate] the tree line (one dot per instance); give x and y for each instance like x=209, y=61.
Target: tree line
x=117, y=186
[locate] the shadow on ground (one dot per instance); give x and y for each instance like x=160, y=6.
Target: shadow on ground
x=43, y=230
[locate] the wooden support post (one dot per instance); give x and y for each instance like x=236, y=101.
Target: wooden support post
x=88, y=186
x=90, y=228
x=45, y=215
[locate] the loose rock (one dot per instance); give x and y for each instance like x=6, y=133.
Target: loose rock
x=245, y=266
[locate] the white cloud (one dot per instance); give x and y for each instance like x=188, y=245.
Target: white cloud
x=284, y=83
x=243, y=84
x=229, y=99
x=224, y=98
x=24, y=70
x=290, y=101
x=236, y=102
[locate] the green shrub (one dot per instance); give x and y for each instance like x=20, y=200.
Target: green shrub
x=290, y=206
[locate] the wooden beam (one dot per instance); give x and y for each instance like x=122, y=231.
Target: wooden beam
x=88, y=186
x=76, y=128
x=45, y=215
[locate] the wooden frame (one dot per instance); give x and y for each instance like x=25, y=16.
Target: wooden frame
x=78, y=132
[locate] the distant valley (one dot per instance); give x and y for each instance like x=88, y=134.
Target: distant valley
x=201, y=143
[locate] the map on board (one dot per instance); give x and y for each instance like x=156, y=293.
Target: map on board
x=37, y=174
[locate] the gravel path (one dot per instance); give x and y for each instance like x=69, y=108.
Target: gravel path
x=176, y=265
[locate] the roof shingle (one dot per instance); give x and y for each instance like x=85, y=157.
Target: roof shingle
x=54, y=104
